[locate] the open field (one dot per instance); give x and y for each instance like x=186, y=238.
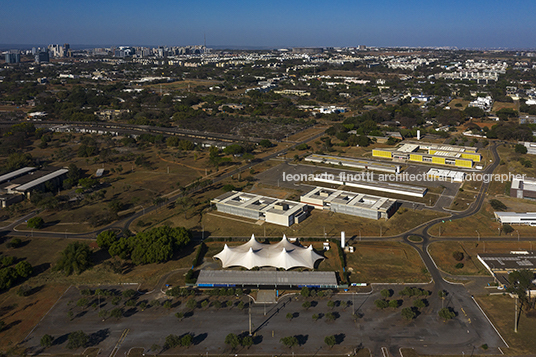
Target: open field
x=385, y=262
x=462, y=106
x=442, y=253
x=482, y=223
x=500, y=310
x=504, y=105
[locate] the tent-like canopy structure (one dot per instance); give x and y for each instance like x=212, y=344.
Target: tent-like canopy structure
x=280, y=255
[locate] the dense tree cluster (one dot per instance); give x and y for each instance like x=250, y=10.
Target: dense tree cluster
x=75, y=258
x=154, y=246
x=11, y=275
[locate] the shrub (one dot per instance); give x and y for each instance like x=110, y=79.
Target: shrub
x=458, y=256
x=36, y=222
x=459, y=266
x=419, y=303
x=394, y=303
x=15, y=243
x=77, y=339
x=497, y=205
x=408, y=313
x=381, y=304
x=446, y=314
x=386, y=293
x=46, y=340
x=507, y=228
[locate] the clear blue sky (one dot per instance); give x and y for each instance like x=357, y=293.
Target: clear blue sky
x=274, y=23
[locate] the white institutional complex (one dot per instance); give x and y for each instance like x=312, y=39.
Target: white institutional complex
x=280, y=255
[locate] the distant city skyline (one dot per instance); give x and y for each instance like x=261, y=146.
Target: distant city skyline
x=273, y=24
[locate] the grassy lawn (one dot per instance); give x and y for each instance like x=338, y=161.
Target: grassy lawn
x=462, y=106
x=500, y=310
x=442, y=252
x=385, y=262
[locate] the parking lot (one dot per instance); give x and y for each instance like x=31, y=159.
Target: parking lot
x=374, y=329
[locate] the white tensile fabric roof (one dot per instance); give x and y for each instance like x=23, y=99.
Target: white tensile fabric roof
x=280, y=255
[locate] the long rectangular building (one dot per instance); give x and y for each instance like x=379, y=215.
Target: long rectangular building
x=506, y=263
x=353, y=162
x=395, y=188
x=459, y=156
x=355, y=204
x=522, y=218
x=269, y=209
x=16, y=174
x=266, y=279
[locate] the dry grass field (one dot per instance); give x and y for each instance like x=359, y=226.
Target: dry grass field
x=442, y=253
x=500, y=310
x=385, y=262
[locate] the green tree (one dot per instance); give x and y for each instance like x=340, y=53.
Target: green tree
x=331, y=304
x=179, y=315
x=187, y=340
x=18, y=160
x=117, y=313
x=306, y=305
x=520, y=149
x=191, y=304
x=75, y=258
x=23, y=269
x=247, y=341
x=381, y=303
x=305, y=292
x=289, y=341
x=290, y=316
x=105, y=239
x=265, y=143
x=315, y=317
x=330, y=316
x=46, y=340
x=394, y=303
x=36, y=222
x=419, y=303
x=232, y=340
x=172, y=341
x=446, y=314
x=386, y=293
x=507, y=228
x=330, y=341
x=77, y=339
x=408, y=313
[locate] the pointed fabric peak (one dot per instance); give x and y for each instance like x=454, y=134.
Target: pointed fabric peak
x=310, y=247
x=284, y=237
x=250, y=250
x=225, y=246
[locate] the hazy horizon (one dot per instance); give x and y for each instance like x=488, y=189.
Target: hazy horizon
x=274, y=24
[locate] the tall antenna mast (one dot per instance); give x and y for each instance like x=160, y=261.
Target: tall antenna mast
x=205, y=38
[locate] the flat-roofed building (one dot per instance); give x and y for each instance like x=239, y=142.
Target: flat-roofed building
x=523, y=187
x=16, y=174
x=266, y=279
x=355, y=204
x=506, y=263
x=446, y=175
x=269, y=209
x=522, y=218
x=35, y=180
x=459, y=156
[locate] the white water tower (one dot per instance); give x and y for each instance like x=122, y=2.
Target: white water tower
x=343, y=239
x=418, y=135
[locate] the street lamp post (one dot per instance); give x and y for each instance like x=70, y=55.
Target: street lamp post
x=478, y=235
